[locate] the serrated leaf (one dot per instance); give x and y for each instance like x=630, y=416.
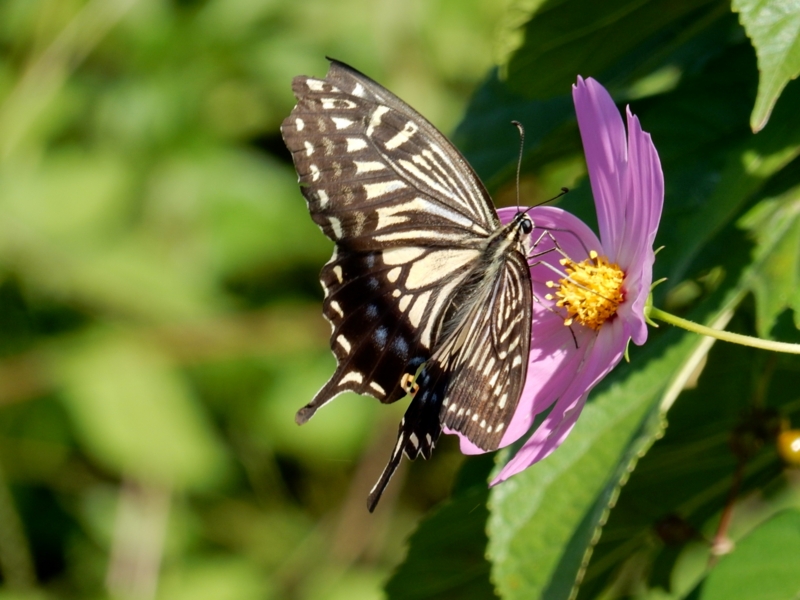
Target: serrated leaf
x=763, y=565
x=134, y=414
x=774, y=276
x=672, y=503
x=549, y=515
x=774, y=28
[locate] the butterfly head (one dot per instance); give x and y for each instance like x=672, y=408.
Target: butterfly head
x=522, y=223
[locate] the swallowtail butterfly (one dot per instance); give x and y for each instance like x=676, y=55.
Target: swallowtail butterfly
x=427, y=293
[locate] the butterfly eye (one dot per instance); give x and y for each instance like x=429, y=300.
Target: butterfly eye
x=526, y=225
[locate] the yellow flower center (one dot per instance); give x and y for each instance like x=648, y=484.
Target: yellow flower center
x=591, y=292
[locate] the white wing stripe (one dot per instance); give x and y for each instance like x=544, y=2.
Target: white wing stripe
x=401, y=256
x=437, y=265
x=471, y=195
x=341, y=122
x=375, y=119
x=368, y=166
x=403, y=136
x=356, y=144
x=418, y=309
x=376, y=190
x=417, y=234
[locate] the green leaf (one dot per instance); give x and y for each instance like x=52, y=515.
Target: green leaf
x=550, y=515
x=491, y=143
x=763, y=565
x=567, y=38
x=446, y=553
x=136, y=415
x=774, y=28
x=673, y=500
x=774, y=276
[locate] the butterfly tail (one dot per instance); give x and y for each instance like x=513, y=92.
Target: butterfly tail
x=418, y=432
x=377, y=490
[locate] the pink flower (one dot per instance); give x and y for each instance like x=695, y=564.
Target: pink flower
x=567, y=362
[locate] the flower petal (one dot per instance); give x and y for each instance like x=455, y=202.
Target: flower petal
x=645, y=200
x=603, y=136
x=603, y=355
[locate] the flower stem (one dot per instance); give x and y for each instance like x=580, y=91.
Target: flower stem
x=725, y=336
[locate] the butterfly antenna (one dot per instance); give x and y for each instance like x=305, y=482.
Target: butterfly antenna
x=521, y=129
x=564, y=191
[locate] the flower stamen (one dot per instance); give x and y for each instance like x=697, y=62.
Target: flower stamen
x=591, y=292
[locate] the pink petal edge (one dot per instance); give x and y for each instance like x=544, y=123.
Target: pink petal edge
x=605, y=148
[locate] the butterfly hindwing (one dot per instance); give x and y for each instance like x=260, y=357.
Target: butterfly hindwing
x=487, y=359
x=473, y=381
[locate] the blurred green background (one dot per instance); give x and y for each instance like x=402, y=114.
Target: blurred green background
x=160, y=318
x=160, y=313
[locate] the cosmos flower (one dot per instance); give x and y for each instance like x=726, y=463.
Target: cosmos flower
x=597, y=287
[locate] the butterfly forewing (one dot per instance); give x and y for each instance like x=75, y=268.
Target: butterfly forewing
x=412, y=224
x=407, y=214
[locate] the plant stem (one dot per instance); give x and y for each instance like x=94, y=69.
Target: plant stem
x=721, y=543
x=725, y=336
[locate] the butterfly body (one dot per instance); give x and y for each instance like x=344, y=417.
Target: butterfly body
x=426, y=291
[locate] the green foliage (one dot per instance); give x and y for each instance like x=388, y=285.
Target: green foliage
x=454, y=533
x=774, y=273
x=160, y=313
x=773, y=27
x=756, y=570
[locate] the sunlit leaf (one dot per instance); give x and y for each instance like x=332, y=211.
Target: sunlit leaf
x=763, y=565
x=774, y=28
x=549, y=515
x=671, y=505
x=775, y=274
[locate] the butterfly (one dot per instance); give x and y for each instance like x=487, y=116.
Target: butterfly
x=427, y=293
